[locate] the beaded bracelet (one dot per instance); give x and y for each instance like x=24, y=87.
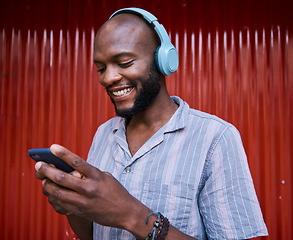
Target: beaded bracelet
x=156, y=225
x=163, y=227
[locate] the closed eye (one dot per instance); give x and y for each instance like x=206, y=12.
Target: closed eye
x=127, y=64
x=101, y=70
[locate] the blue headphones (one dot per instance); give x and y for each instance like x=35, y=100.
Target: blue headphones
x=166, y=54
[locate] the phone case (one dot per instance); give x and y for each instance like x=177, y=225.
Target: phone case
x=45, y=155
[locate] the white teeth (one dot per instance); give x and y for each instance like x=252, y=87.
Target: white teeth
x=122, y=92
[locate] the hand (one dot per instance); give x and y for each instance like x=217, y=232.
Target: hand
x=57, y=208
x=98, y=196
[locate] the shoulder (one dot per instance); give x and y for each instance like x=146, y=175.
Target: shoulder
x=190, y=114
x=213, y=122
x=208, y=117
x=205, y=124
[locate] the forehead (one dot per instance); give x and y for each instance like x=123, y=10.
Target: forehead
x=124, y=33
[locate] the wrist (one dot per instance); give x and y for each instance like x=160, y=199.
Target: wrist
x=136, y=220
x=153, y=226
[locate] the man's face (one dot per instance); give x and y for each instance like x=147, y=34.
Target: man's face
x=150, y=87
x=124, y=56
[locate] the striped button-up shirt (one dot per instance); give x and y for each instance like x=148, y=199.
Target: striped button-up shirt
x=193, y=170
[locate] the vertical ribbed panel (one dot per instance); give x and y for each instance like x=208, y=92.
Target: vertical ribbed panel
x=236, y=61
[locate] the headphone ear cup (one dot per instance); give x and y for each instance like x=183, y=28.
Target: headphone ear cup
x=166, y=59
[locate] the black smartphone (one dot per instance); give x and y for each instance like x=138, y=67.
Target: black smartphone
x=45, y=155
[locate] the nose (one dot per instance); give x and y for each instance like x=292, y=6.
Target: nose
x=110, y=76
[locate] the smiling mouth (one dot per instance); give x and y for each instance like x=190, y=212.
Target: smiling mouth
x=122, y=92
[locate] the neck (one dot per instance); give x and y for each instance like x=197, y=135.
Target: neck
x=144, y=125
x=157, y=114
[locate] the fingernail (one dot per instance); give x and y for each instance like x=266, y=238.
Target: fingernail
x=38, y=165
x=43, y=182
x=77, y=174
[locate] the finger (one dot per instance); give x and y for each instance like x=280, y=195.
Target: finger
x=52, y=200
x=77, y=174
x=57, y=207
x=61, y=178
x=38, y=174
x=63, y=200
x=43, y=190
x=74, y=161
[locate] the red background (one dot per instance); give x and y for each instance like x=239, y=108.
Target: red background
x=236, y=61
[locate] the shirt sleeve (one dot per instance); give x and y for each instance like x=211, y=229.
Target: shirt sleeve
x=228, y=203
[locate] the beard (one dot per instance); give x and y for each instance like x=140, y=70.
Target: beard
x=150, y=88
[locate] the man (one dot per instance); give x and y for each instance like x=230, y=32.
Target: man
x=159, y=161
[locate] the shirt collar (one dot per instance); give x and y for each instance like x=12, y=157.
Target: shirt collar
x=177, y=121
x=180, y=117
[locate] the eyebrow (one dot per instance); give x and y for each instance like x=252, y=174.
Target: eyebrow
x=124, y=53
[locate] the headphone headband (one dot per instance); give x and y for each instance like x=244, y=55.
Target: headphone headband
x=145, y=14
x=166, y=54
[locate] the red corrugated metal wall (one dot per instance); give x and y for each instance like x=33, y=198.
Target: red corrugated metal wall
x=236, y=61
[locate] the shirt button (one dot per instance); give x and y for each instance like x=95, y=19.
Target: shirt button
x=128, y=169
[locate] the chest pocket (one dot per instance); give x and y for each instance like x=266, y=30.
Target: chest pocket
x=174, y=202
